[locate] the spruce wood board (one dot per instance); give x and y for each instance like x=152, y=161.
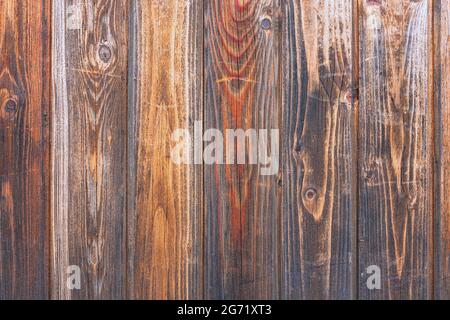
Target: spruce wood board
x=352, y=178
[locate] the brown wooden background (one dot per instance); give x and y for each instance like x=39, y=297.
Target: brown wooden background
x=91, y=90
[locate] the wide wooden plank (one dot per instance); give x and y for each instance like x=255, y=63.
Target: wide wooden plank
x=319, y=149
x=165, y=225
x=441, y=91
x=241, y=203
x=89, y=147
x=24, y=148
x=395, y=122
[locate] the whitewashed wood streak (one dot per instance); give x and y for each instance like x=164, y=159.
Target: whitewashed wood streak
x=59, y=158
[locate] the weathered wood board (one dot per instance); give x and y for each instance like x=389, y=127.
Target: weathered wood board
x=241, y=65
x=89, y=149
x=24, y=148
x=165, y=217
x=395, y=149
x=319, y=148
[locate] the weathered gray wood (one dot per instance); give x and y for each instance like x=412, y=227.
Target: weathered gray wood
x=89, y=153
x=395, y=147
x=319, y=151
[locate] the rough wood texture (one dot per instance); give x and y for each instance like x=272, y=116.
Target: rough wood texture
x=318, y=151
x=396, y=188
x=165, y=215
x=442, y=146
x=89, y=149
x=241, y=92
x=24, y=148
x=357, y=89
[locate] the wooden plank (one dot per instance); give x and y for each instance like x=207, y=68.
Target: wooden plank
x=319, y=149
x=241, y=204
x=442, y=110
x=165, y=198
x=89, y=148
x=396, y=184
x=24, y=148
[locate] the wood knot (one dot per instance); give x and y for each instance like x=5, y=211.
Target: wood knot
x=370, y=173
x=105, y=53
x=45, y=119
x=310, y=194
x=11, y=106
x=298, y=147
x=266, y=23
x=297, y=151
x=280, y=180
x=352, y=94
x=369, y=176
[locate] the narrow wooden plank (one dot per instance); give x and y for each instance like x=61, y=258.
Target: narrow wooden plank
x=165, y=198
x=442, y=110
x=89, y=149
x=396, y=184
x=241, y=204
x=319, y=148
x=24, y=148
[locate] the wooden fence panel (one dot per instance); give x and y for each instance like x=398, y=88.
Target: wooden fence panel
x=241, y=67
x=111, y=117
x=24, y=148
x=89, y=148
x=395, y=149
x=319, y=148
x=165, y=198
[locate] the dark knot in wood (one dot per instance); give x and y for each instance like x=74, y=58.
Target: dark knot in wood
x=266, y=23
x=11, y=106
x=310, y=194
x=105, y=53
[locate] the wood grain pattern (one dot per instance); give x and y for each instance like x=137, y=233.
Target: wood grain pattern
x=442, y=146
x=165, y=199
x=24, y=148
x=92, y=92
x=89, y=153
x=318, y=151
x=241, y=92
x=396, y=185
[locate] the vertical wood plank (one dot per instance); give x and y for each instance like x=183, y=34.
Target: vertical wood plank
x=89, y=149
x=241, y=204
x=165, y=199
x=442, y=107
x=24, y=138
x=319, y=148
x=396, y=185
x=24, y=148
